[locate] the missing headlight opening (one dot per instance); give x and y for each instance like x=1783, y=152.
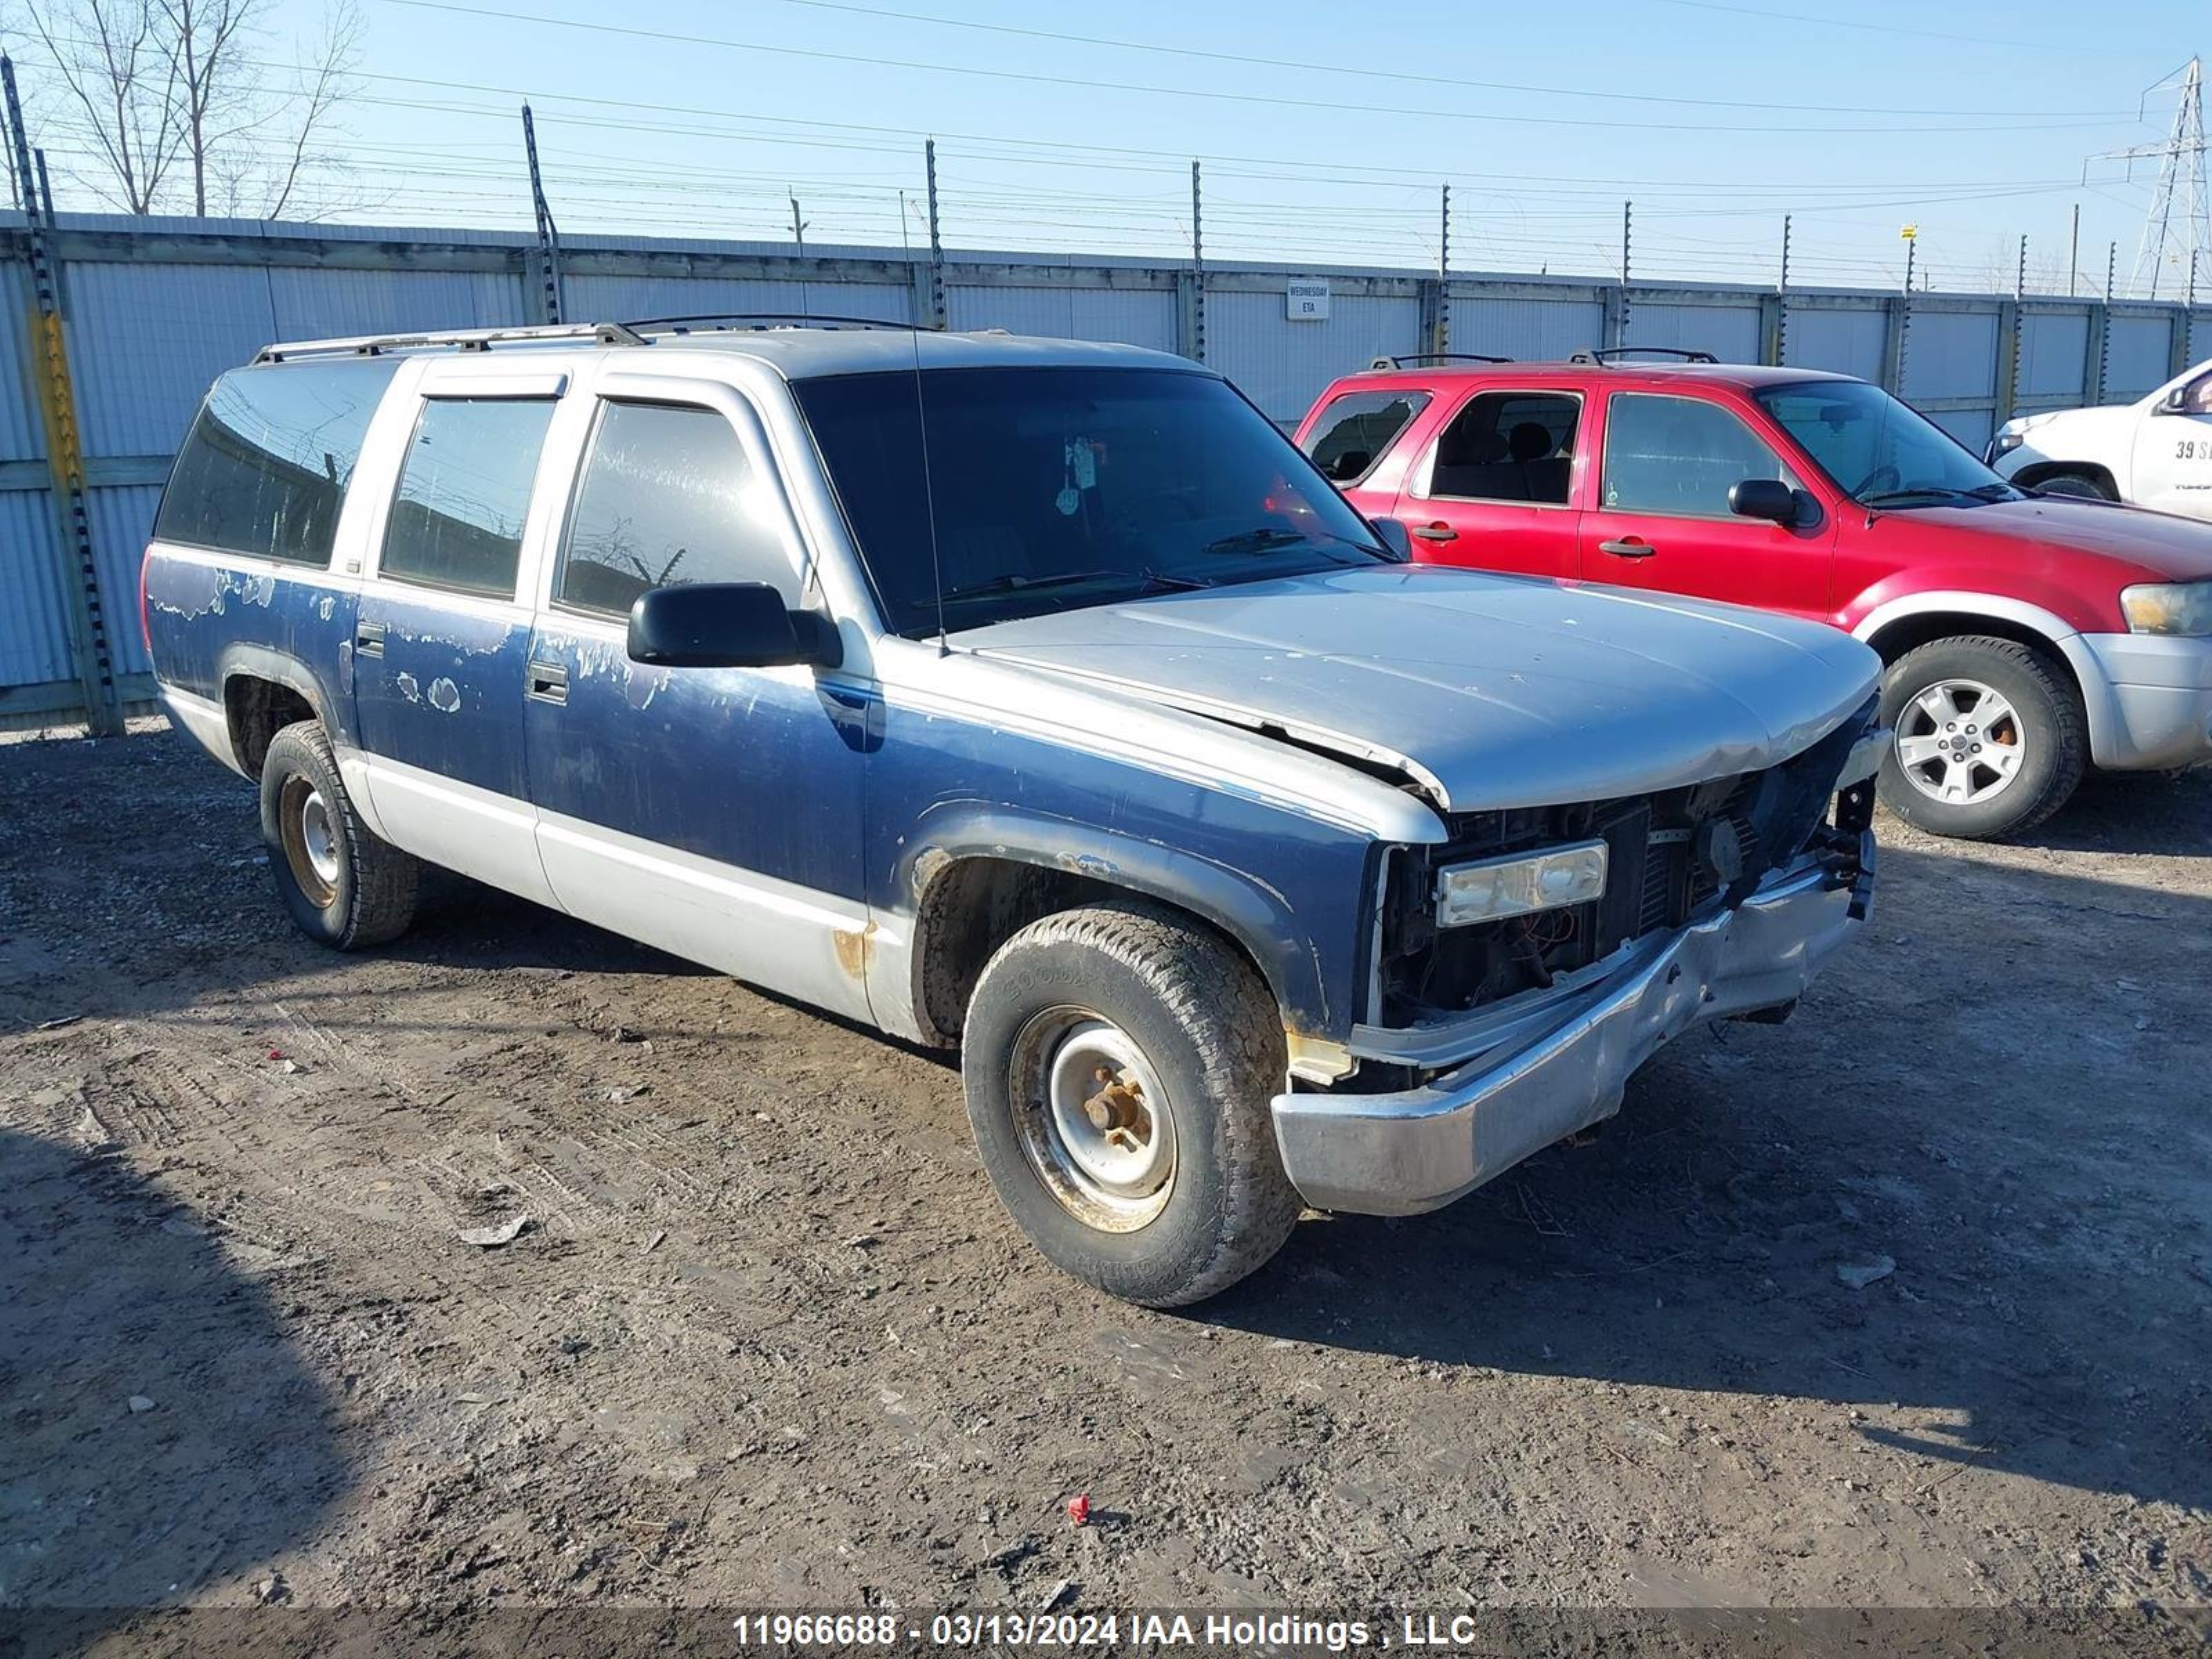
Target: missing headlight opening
x=1474, y=921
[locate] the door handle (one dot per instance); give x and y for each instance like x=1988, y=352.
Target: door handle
x=368, y=639
x=1437, y=532
x=549, y=683
x=1628, y=547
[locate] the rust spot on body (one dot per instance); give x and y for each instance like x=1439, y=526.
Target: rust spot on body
x=852, y=947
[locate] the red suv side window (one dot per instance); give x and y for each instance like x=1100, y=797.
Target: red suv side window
x=1355, y=431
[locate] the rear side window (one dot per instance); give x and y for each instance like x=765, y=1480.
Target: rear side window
x=464, y=493
x=668, y=496
x=1353, y=433
x=264, y=471
x=1509, y=447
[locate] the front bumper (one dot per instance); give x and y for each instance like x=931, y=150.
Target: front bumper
x=1399, y=1154
x=2152, y=701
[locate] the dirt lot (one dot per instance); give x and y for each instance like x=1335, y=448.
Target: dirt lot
x=768, y=1338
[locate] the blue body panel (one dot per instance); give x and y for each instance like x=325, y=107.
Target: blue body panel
x=447, y=694
x=207, y=623
x=1292, y=889
x=759, y=769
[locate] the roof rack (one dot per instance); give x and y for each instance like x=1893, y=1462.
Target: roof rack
x=466, y=339
x=1412, y=357
x=732, y=321
x=1611, y=352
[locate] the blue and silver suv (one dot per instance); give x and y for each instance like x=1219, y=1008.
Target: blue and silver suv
x=1034, y=697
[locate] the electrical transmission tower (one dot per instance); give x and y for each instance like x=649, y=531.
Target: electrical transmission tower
x=2179, y=228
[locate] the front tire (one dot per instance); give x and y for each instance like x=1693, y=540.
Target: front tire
x=1119, y=1065
x=1991, y=738
x=2082, y=484
x=344, y=886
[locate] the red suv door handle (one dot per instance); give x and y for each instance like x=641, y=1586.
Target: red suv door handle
x=1439, y=532
x=1628, y=547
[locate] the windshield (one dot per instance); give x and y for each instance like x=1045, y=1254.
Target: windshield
x=1058, y=488
x=1878, y=451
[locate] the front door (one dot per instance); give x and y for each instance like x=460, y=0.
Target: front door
x=713, y=811
x=1661, y=519
x=2173, y=470
x=1496, y=488
x=441, y=637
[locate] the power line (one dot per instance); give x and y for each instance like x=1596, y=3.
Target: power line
x=1092, y=84
x=2072, y=49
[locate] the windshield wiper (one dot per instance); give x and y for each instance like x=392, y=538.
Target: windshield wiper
x=1011, y=581
x=1923, y=495
x=1268, y=537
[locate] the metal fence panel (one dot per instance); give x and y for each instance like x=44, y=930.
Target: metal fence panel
x=2054, y=348
x=2136, y=355
x=122, y=524
x=312, y=304
x=1282, y=365
x=146, y=341
x=1843, y=341
x=34, y=640
x=627, y=299
x=1970, y=427
x=1140, y=317
x=1730, y=330
x=21, y=439
x=1951, y=354
x=1533, y=330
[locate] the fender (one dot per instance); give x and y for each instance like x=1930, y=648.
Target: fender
x=1258, y=916
x=2098, y=702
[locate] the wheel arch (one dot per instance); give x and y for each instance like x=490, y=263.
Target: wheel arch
x=2037, y=472
x=264, y=691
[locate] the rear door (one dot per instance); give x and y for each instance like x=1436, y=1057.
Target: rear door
x=1661, y=517
x=441, y=638
x=1498, y=486
x=713, y=811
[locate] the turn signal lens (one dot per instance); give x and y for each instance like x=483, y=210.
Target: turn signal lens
x=1488, y=888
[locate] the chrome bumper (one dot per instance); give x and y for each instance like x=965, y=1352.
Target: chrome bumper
x=1399, y=1154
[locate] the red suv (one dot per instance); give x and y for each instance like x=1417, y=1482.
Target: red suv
x=2028, y=637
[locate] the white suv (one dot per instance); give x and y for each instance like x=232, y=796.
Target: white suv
x=2156, y=452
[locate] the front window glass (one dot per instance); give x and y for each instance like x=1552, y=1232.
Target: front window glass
x=1680, y=456
x=1879, y=450
x=668, y=496
x=464, y=493
x=1054, y=488
x=1355, y=430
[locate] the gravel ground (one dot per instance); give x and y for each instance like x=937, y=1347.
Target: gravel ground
x=767, y=1338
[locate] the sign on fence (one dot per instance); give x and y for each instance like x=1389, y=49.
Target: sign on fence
x=1305, y=300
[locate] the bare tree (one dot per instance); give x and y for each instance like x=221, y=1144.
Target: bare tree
x=179, y=104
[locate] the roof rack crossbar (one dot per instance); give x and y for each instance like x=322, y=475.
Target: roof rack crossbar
x=1410, y=358
x=744, y=320
x=465, y=339
x=1686, y=354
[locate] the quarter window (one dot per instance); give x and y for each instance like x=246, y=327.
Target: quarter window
x=465, y=494
x=668, y=496
x=264, y=471
x=1680, y=456
x=1355, y=430
x=1509, y=447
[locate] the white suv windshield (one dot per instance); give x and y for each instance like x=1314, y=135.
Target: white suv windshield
x=1054, y=488
x=1878, y=451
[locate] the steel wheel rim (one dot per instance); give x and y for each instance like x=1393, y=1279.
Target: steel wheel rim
x=1960, y=742
x=310, y=836
x=1093, y=1119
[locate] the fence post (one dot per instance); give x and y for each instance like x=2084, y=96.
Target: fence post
x=94, y=662
x=1191, y=289
x=2008, y=332
x=1774, y=308
x=1443, y=340
x=550, y=297
x=1620, y=318
x=938, y=318
x=2100, y=329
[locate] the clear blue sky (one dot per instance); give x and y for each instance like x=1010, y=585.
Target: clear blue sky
x=1330, y=165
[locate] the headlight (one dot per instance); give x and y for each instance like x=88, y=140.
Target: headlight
x=2168, y=607
x=1487, y=889
x=2004, y=443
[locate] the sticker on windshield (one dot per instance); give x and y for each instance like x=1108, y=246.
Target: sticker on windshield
x=1082, y=464
x=1068, y=501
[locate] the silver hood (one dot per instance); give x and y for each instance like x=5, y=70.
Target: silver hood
x=1486, y=690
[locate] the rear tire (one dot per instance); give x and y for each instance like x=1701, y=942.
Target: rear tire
x=344, y=886
x=1119, y=1065
x=2082, y=484
x=1990, y=739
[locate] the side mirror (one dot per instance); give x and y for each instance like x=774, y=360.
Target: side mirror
x=1394, y=538
x=2176, y=401
x=1763, y=498
x=726, y=625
